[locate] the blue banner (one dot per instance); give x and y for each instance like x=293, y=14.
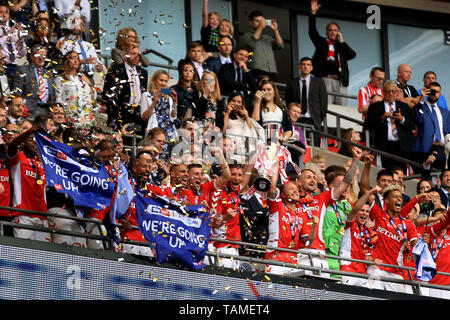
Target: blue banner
x=72, y=173
x=180, y=234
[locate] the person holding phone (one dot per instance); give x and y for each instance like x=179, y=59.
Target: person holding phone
x=330, y=57
x=209, y=107
x=262, y=45
x=269, y=111
x=433, y=124
x=159, y=105
x=237, y=124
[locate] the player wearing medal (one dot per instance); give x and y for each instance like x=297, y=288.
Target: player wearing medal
x=286, y=226
x=439, y=246
x=396, y=235
x=140, y=175
x=104, y=154
x=230, y=196
x=317, y=207
x=222, y=212
x=358, y=240
x=28, y=180
x=177, y=189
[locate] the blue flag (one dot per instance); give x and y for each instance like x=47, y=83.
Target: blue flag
x=425, y=265
x=180, y=234
x=124, y=194
x=122, y=200
x=72, y=173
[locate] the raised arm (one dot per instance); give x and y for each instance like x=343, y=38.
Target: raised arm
x=225, y=176
x=361, y=201
x=205, y=14
x=341, y=186
x=365, y=175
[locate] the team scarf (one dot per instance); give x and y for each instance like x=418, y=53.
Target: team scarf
x=332, y=53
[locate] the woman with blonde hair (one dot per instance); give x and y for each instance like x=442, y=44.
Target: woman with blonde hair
x=159, y=105
x=125, y=38
x=209, y=107
x=226, y=28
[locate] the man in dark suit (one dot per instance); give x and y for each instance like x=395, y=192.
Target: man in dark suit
x=254, y=223
x=311, y=93
x=410, y=95
x=124, y=85
x=34, y=82
x=444, y=187
x=236, y=76
x=330, y=56
x=392, y=124
x=433, y=123
x=225, y=50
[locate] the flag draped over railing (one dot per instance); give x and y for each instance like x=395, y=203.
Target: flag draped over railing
x=178, y=234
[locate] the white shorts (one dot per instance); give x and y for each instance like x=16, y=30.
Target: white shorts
x=137, y=250
x=223, y=262
x=93, y=229
x=354, y=281
x=280, y=270
x=374, y=283
x=31, y=234
x=66, y=225
x=314, y=261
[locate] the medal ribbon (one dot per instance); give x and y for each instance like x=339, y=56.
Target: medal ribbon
x=403, y=234
x=437, y=247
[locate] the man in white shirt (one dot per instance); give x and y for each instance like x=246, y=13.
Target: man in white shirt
x=67, y=10
x=392, y=125
x=89, y=59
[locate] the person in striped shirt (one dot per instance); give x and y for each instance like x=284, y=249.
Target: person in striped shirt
x=374, y=87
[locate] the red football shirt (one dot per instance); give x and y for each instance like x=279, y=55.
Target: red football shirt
x=352, y=248
x=389, y=247
x=440, y=247
x=219, y=201
x=5, y=197
x=28, y=179
x=317, y=208
x=285, y=230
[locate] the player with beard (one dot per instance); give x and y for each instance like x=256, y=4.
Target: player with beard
x=223, y=209
x=307, y=183
x=140, y=176
x=286, y=225
x=177, y=189
x=230, y=196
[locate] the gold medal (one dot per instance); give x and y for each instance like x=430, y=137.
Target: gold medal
x=409, y=258
x=39, y=182
x=292, y=244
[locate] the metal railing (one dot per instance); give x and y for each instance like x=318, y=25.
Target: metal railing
x=317, y=271
x=311, y=131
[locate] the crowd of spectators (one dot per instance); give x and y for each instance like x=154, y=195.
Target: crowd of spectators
x=200, y=139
